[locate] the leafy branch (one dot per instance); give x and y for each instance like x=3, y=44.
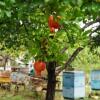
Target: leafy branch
x=70, y=60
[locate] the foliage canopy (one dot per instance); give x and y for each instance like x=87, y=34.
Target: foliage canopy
x=24, y=26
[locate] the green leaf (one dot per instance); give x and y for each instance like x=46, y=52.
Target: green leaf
x=1, y=14
x=12, y=1
x=2, y=3
x=8, y=13
x=79, y=3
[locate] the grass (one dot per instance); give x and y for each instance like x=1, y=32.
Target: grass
x=27, y=94
x=31, y=95
x=23, y=94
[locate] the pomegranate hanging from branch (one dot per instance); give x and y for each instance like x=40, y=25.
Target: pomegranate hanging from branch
x=39, y=66
x=53, y=24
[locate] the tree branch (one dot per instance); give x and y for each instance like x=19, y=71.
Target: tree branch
x=63, y=50
x=90, y=23
x=70, y=60
x=98, y=28
x=25, y=27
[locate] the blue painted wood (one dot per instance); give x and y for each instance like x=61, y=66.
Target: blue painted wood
x=95, y=79
x=73, y=84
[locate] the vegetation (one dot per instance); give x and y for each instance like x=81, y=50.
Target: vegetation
x=24, y=27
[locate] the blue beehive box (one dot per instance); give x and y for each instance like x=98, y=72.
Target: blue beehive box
x=73, y=84
x=95, y=79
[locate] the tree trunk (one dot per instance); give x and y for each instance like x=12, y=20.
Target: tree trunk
x=6, y=59
x=51, y=81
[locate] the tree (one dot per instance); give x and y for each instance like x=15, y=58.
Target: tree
x=24, y=26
